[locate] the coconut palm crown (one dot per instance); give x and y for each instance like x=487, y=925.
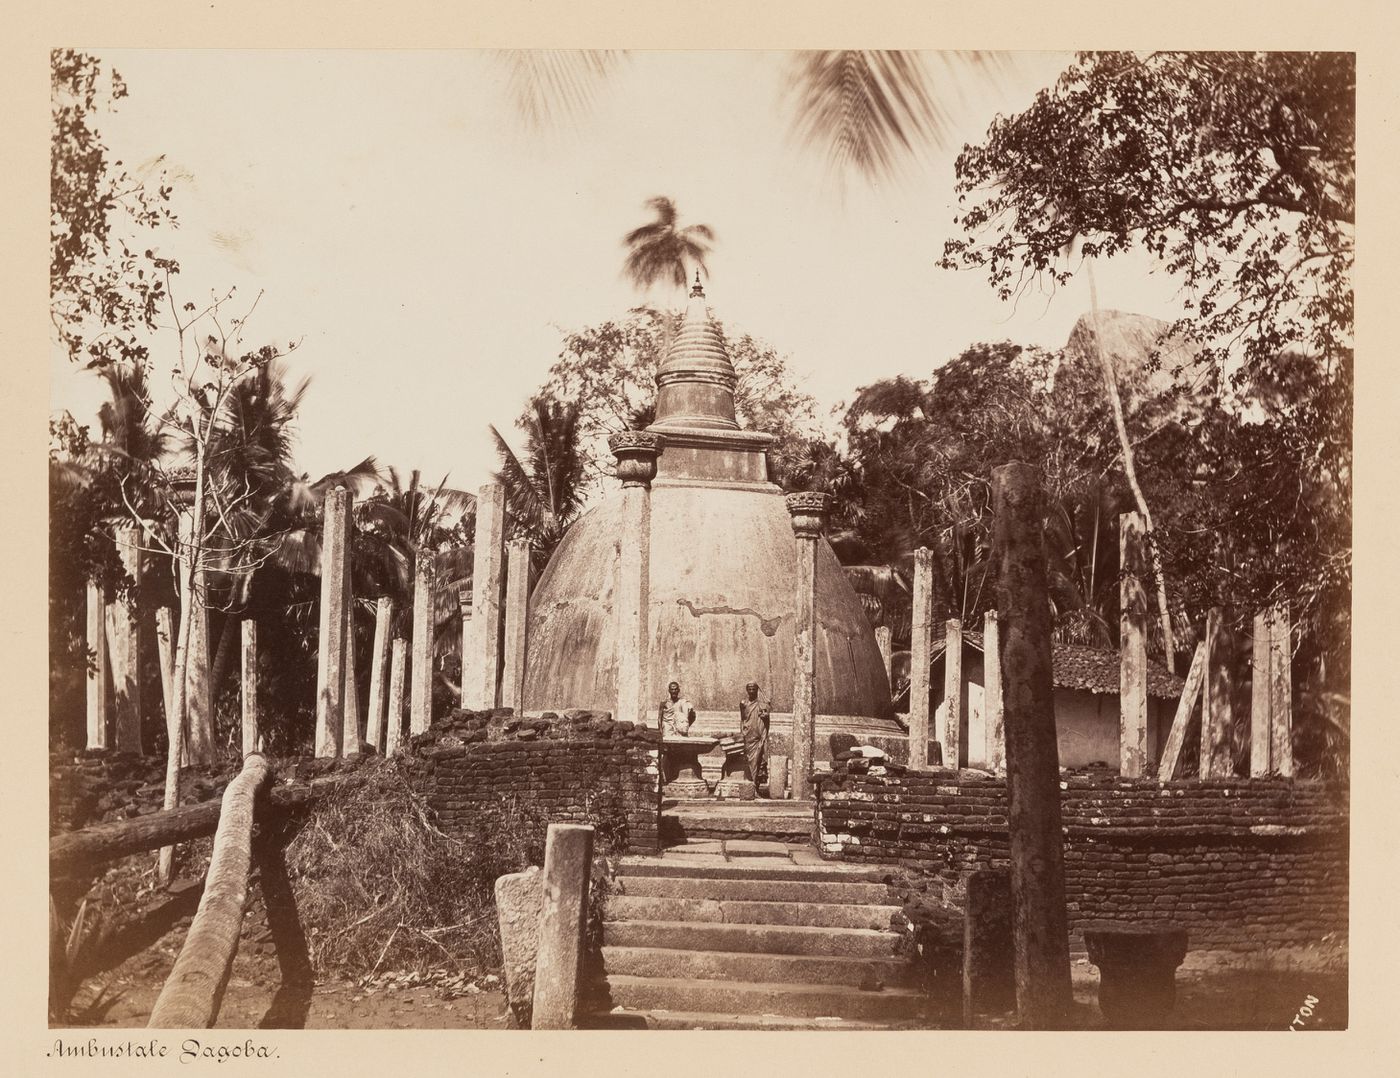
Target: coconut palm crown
x=662, y=252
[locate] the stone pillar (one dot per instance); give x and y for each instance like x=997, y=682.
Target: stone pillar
x=471, y=660
x=1132, y=657
x=517, y=611
x=331, y=657
x=199, y=687
x=165, y=646
x=487, y=558
x=808, y=512
x=884, y=640
x=379, y=673
x=398, y=659
x=636, y=453
x=1280, y=692
x=920, y=646
x=992, y=699
x=1260, y=730
x=1217, y=753
x=954, y=751
x=252, y=739
x=199, y=696
x=989, y=963
x=350, y=738
x=97, y=701
x=124, y=645
x=568, y=862
x=420, y=693
x=1041, y=930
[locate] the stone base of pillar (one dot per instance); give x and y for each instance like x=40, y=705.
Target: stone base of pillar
x=735, y=789
x=685, y=788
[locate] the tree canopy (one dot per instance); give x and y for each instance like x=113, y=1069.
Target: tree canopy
x=610, y=369
x=1235, y=171
x=104, y=294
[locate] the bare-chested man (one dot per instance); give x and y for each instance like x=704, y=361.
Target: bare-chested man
x=676, y=715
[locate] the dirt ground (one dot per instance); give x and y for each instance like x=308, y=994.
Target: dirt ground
x=332, y=1006
x=1206, y=1000
x=125, y=995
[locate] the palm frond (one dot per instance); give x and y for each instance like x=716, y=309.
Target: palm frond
x=552, y=85
x=870, y=112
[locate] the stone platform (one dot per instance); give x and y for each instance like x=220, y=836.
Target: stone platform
x=761, y=819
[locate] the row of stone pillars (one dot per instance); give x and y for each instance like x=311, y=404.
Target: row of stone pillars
x=955, y=750
x=114, y=635
x=1209, y=679
x=492, y=675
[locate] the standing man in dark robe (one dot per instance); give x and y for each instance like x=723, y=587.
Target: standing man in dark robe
x=753, y=724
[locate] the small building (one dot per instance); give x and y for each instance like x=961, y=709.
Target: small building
x=1086, y=703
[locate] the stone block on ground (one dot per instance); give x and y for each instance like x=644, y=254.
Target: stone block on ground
x=1137, y=972
x=519, y=900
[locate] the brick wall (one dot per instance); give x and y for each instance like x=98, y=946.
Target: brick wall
x=581, y=767
x=1242, y=864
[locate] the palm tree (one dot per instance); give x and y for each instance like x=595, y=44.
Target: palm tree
x=544, y=487
x=662, y=252
x=1081, y=552
x=397, y=522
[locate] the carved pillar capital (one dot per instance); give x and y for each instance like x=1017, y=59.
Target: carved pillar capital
x=636, y=452
x=809, y=511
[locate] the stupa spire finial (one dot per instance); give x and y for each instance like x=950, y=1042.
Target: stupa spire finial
x=695, y=382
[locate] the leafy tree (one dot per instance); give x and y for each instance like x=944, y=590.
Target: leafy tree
x=610, y=370
x=662, y=252
x=1236, y=171
x=104, y=295
x=916, y=471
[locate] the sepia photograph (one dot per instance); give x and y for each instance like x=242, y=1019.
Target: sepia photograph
x=710, y=539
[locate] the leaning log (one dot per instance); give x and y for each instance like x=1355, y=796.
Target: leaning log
x=195, y=987
x=71, y=854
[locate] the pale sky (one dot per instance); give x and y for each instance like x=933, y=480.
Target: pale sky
x=428, y=249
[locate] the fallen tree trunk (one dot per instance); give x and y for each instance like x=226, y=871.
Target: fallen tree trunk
x=70, y=854
x=195, y=987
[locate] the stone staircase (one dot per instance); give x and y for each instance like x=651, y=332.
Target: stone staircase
x=751, y=934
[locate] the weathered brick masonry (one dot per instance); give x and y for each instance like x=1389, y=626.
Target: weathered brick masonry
x=573, y=767
x=1242, y=864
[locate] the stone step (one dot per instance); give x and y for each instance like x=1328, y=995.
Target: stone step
x=781, y=821
x=740, y=911
x=752, y=939
x=746, y=966
x=738, y=847
x=752, y=889
x=626, y=1018
x=716, y=867
x=685, y=994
